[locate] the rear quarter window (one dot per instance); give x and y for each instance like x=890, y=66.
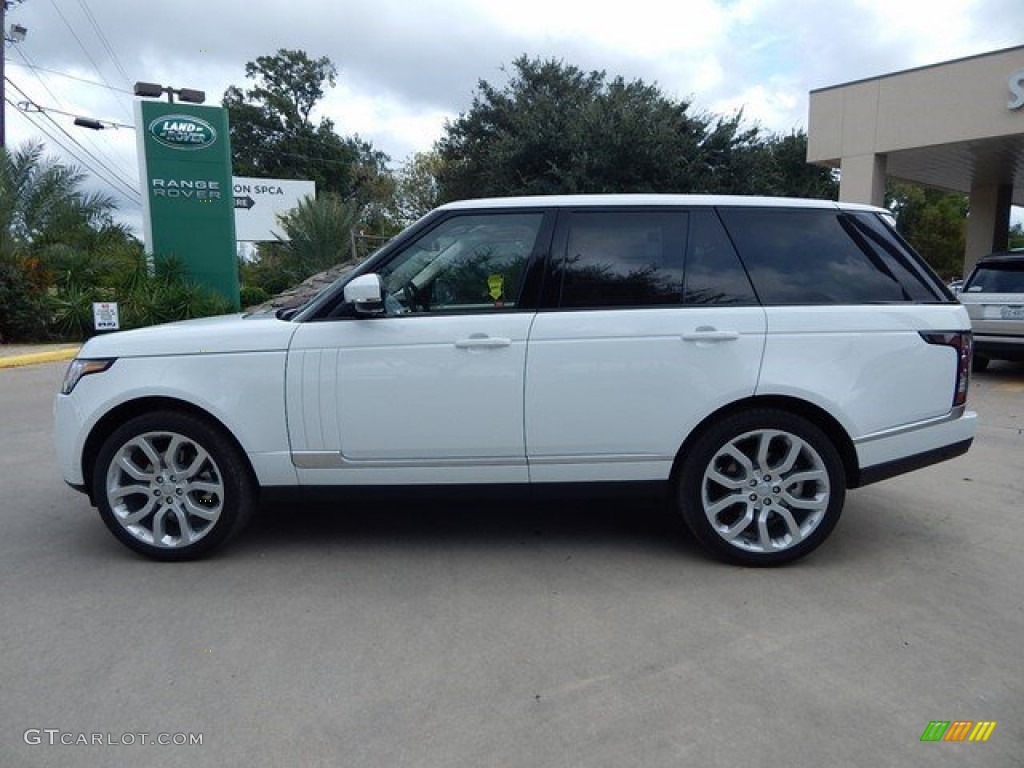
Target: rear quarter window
x=816, y=256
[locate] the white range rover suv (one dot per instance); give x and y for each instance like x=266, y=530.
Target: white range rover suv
x=749, y=358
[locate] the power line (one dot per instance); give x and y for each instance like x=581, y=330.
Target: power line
x=117, y=179
x=46, y=132
x=37, y=68
x=112, y=159
x=103, y=40
x=44, y=110
x=80, y=43
x=113, y=182
x=40, y=108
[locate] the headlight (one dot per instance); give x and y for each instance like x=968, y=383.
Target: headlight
x=83, y=367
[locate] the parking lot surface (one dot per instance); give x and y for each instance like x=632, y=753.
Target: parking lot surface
x=487, y=633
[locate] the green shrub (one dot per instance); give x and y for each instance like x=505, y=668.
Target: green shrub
x=23, y=313
x=251, y=295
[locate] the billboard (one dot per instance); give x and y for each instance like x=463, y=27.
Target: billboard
x=188, y=206
x=258, y=203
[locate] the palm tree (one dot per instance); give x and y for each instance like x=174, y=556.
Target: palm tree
x=319, y=233
x=42, y=203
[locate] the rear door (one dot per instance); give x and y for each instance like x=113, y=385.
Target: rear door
x=847, y=303
x=649, y=324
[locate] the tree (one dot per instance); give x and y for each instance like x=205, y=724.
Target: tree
x=44, y=216
x=417, y=191
x=790, y=174
x=319, y=234
x=934, y=222
x=1016, y=236
x=553, y=128
x=41, y=202
x=273, y=134
x=60, y=251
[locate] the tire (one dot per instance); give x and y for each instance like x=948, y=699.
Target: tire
x=761, y=488
x=171, y=486
x=979, y=363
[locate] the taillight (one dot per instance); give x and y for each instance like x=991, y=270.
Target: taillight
x=963, y=343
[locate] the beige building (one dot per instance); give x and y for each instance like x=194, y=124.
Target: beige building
x=958, y=125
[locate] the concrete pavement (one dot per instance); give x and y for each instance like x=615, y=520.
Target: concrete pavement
x=490, y=634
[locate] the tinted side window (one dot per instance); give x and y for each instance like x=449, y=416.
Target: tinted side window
x=622, y=258
x=920, y=283
x=714, y=274
x=469, y=262
x=809, y=257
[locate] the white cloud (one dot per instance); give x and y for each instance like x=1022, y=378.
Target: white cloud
x=642, y=28
x=405, y=67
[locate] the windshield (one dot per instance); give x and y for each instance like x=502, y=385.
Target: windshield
x=1004, y=277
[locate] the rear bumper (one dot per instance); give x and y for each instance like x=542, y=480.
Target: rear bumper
x=911, y=447
x=909, y=463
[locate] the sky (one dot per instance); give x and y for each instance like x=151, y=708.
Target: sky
x=406, y=67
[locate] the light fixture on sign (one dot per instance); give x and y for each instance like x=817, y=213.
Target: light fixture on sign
x=155, y=91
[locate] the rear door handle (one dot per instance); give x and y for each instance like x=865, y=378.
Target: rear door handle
x=707, y=333
x=482, y=341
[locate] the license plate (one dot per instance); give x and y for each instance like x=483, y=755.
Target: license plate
x=1012, y=313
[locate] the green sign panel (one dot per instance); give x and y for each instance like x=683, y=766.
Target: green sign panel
x=188, y=199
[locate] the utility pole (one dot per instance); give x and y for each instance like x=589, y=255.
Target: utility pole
x=17, y=34
x=3, y=82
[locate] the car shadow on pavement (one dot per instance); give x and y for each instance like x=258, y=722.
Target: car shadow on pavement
x=471, y=523
x=1002, y=370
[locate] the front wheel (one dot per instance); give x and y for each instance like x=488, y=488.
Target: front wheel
x=763, y=487
x=171, y=486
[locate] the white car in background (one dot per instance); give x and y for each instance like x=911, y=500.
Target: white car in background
x=749, y=359
x=994, y=297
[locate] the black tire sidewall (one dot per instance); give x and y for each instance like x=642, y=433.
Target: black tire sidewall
x=704, y=448
x=239, y=496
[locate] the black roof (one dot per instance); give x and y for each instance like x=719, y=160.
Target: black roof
x=1017, y=254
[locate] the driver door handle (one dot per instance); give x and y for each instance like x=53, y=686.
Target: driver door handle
x=483, y=341
x=707, y=333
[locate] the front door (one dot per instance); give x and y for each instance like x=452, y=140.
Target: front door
x=432, y=391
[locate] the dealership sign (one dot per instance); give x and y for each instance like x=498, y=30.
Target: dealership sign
x=188, y=208
x=259, y=202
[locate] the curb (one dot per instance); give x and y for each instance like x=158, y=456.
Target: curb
x=52, y=356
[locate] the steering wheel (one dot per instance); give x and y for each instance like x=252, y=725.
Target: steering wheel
x=415, y=299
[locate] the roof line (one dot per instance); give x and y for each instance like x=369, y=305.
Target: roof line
x=918, y=69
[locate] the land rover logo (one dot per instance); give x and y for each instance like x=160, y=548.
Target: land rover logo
x=182, y=132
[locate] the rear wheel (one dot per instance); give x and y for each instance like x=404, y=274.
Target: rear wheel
x=171, y=486
x=979, y=363
x=763, y=487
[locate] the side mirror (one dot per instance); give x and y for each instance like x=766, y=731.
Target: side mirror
x=365, y=295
